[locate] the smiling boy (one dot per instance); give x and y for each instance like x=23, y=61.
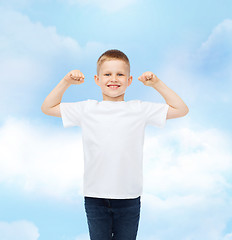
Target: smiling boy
x=113, y=136
x=113, y=77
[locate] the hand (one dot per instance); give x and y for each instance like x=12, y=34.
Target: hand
x=149, y=79
x=74, y=77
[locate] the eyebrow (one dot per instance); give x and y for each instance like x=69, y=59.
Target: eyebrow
x=108, y=71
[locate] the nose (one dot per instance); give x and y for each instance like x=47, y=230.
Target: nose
x=114, y=77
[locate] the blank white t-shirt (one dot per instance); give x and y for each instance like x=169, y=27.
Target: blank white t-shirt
x=113, y=137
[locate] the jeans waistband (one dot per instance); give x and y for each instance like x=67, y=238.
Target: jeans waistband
x=108, y=202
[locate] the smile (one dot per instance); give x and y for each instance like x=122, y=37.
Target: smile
x=113, y=86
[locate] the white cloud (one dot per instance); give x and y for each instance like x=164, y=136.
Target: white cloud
x=219, y=41
x=82, y=237
x=109, y=6
x=228, y=237
x=20, y=230
x=189, y=161
x=32, y=56
x=41, y=160
x=187, y=183
x=31, y=43
x=214, y=57
x=202, y=74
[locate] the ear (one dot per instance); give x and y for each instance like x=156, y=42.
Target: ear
x=130, y=80
x=96, y=78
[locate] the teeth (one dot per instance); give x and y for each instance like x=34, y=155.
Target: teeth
x=114, y=87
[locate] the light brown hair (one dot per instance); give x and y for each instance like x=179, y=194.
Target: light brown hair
x=111, y=55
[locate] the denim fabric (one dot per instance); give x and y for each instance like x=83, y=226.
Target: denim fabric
x=112, y=219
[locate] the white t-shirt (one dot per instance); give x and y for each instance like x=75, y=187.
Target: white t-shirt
x=113, y=137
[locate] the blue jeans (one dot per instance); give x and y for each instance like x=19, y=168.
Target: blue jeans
x=112, y=219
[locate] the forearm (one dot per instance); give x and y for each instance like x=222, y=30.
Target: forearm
x=170, y=96
x=55, y=96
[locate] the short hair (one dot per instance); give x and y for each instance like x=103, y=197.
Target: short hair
x=110, y=55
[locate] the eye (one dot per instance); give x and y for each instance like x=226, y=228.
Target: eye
x=120, y=74
x=107, y=74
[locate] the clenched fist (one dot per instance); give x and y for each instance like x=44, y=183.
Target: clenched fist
x=74, y=77
x=149, y=79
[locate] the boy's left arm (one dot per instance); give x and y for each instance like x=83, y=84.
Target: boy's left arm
x=177, y=107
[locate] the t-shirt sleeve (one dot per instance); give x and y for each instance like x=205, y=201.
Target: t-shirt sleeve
x=155, y=113
x=71, y=113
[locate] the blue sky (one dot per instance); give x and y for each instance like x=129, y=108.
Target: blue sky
x=187, y=165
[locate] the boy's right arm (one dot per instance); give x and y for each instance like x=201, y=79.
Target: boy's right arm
x=51, y=104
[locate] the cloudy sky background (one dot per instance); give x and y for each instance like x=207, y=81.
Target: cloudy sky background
x=187, y=165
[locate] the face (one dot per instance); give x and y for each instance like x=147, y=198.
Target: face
x=113, y=72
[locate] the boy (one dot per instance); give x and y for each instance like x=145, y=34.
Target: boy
x=113, y=134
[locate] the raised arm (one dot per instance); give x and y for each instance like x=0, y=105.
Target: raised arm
x=51, y=104
x=177, y=107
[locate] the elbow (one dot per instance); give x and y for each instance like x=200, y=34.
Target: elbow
x=185, y=111
x=43, y=109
